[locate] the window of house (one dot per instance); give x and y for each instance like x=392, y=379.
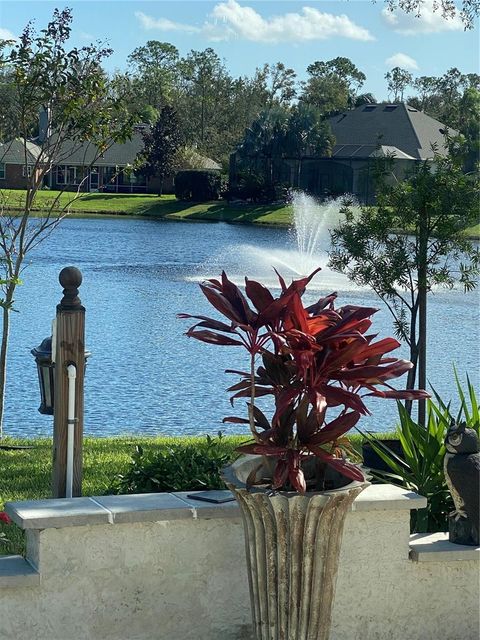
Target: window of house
x=2, y=171
x=94, y=178
x=61, y=175
x=28, y=172
x=71, y=175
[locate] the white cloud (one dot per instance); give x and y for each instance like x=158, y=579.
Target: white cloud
x=403, y=61
x=163, y=24
x=309, y=24
x=230, y=20
x=5, y=34
x=429, y=21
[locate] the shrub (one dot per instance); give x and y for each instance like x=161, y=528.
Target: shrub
x=198, y=186
x=421, y=470
x=176, y=468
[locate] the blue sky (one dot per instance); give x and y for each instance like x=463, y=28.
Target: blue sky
x=248, y=33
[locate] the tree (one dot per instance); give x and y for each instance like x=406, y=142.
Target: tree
x=397, y=81
x=469, y=126
x=205, y=85
x=333, y=85
x=435, y=204
x=279, y=84
x=155, y=67
x=79, y=105
x=307, y=133
x=161, y=144
x=264, y=141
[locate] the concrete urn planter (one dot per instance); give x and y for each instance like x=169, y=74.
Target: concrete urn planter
x=292, y=546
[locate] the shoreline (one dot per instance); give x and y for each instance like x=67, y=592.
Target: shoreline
x=193, y=218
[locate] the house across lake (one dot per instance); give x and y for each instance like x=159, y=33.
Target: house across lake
x=362, y=135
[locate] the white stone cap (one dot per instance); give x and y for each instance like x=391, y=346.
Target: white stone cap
x=435, y=547
x=155, y=507
x=381, y=497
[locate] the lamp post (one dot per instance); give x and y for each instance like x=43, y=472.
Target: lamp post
x=61, y=379
x=46, y=373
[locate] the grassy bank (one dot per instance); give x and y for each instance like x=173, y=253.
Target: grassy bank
x=25, y=474
x=167, y=207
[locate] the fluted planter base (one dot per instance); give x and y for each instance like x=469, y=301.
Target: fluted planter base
x=292, y=547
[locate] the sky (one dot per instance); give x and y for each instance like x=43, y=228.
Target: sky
x=248, y=33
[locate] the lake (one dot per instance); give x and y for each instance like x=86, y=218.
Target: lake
x=144, y=375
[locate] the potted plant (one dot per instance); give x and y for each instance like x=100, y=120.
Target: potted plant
x=295, y=484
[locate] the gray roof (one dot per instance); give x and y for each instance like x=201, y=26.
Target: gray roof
x=363, y=151
x=86, y=153
x=397, y=126
x=13, y=152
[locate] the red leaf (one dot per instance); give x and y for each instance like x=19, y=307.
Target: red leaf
x=377, y=349
x=336, y=396
x=209, y=323
x=408, y=394
x=236, y=420
x=258, y=294
x=297, y=478
x=212, y=338
x=286, y=396
x=335, y=429
x=343, y=466
x=260, y=418
x=280, y=474
x=322, y=303
x=237, y=300
x=220, y=302
x=281, y=280
x=261, y=449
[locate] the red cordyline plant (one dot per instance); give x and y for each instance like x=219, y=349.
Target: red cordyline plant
x=312, y=359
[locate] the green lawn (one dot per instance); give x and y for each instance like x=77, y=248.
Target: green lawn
x=151, y=205
x=166, y=206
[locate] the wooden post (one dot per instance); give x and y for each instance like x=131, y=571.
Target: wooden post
x=69, y=349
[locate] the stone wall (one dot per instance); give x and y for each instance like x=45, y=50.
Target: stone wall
x=166, y=567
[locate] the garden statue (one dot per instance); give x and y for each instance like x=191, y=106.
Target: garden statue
x=462, y=473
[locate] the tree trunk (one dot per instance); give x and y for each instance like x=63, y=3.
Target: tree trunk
x=3, y=353
x=412, y=374
x=422, y=311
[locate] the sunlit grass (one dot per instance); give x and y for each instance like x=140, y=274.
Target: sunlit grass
x=166, y=206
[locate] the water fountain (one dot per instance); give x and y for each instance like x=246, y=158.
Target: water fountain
x=305, y=250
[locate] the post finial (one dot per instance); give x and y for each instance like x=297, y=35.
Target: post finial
x=70, y=278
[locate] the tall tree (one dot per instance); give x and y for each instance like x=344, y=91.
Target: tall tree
x=279, y=84
x=154, y=67
x=205, y=83
x=161, y=144
x=264, y=140
x=79, y=106
x=307, y=134
x=397, y=81
x=332, y=85
x=435, y=206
